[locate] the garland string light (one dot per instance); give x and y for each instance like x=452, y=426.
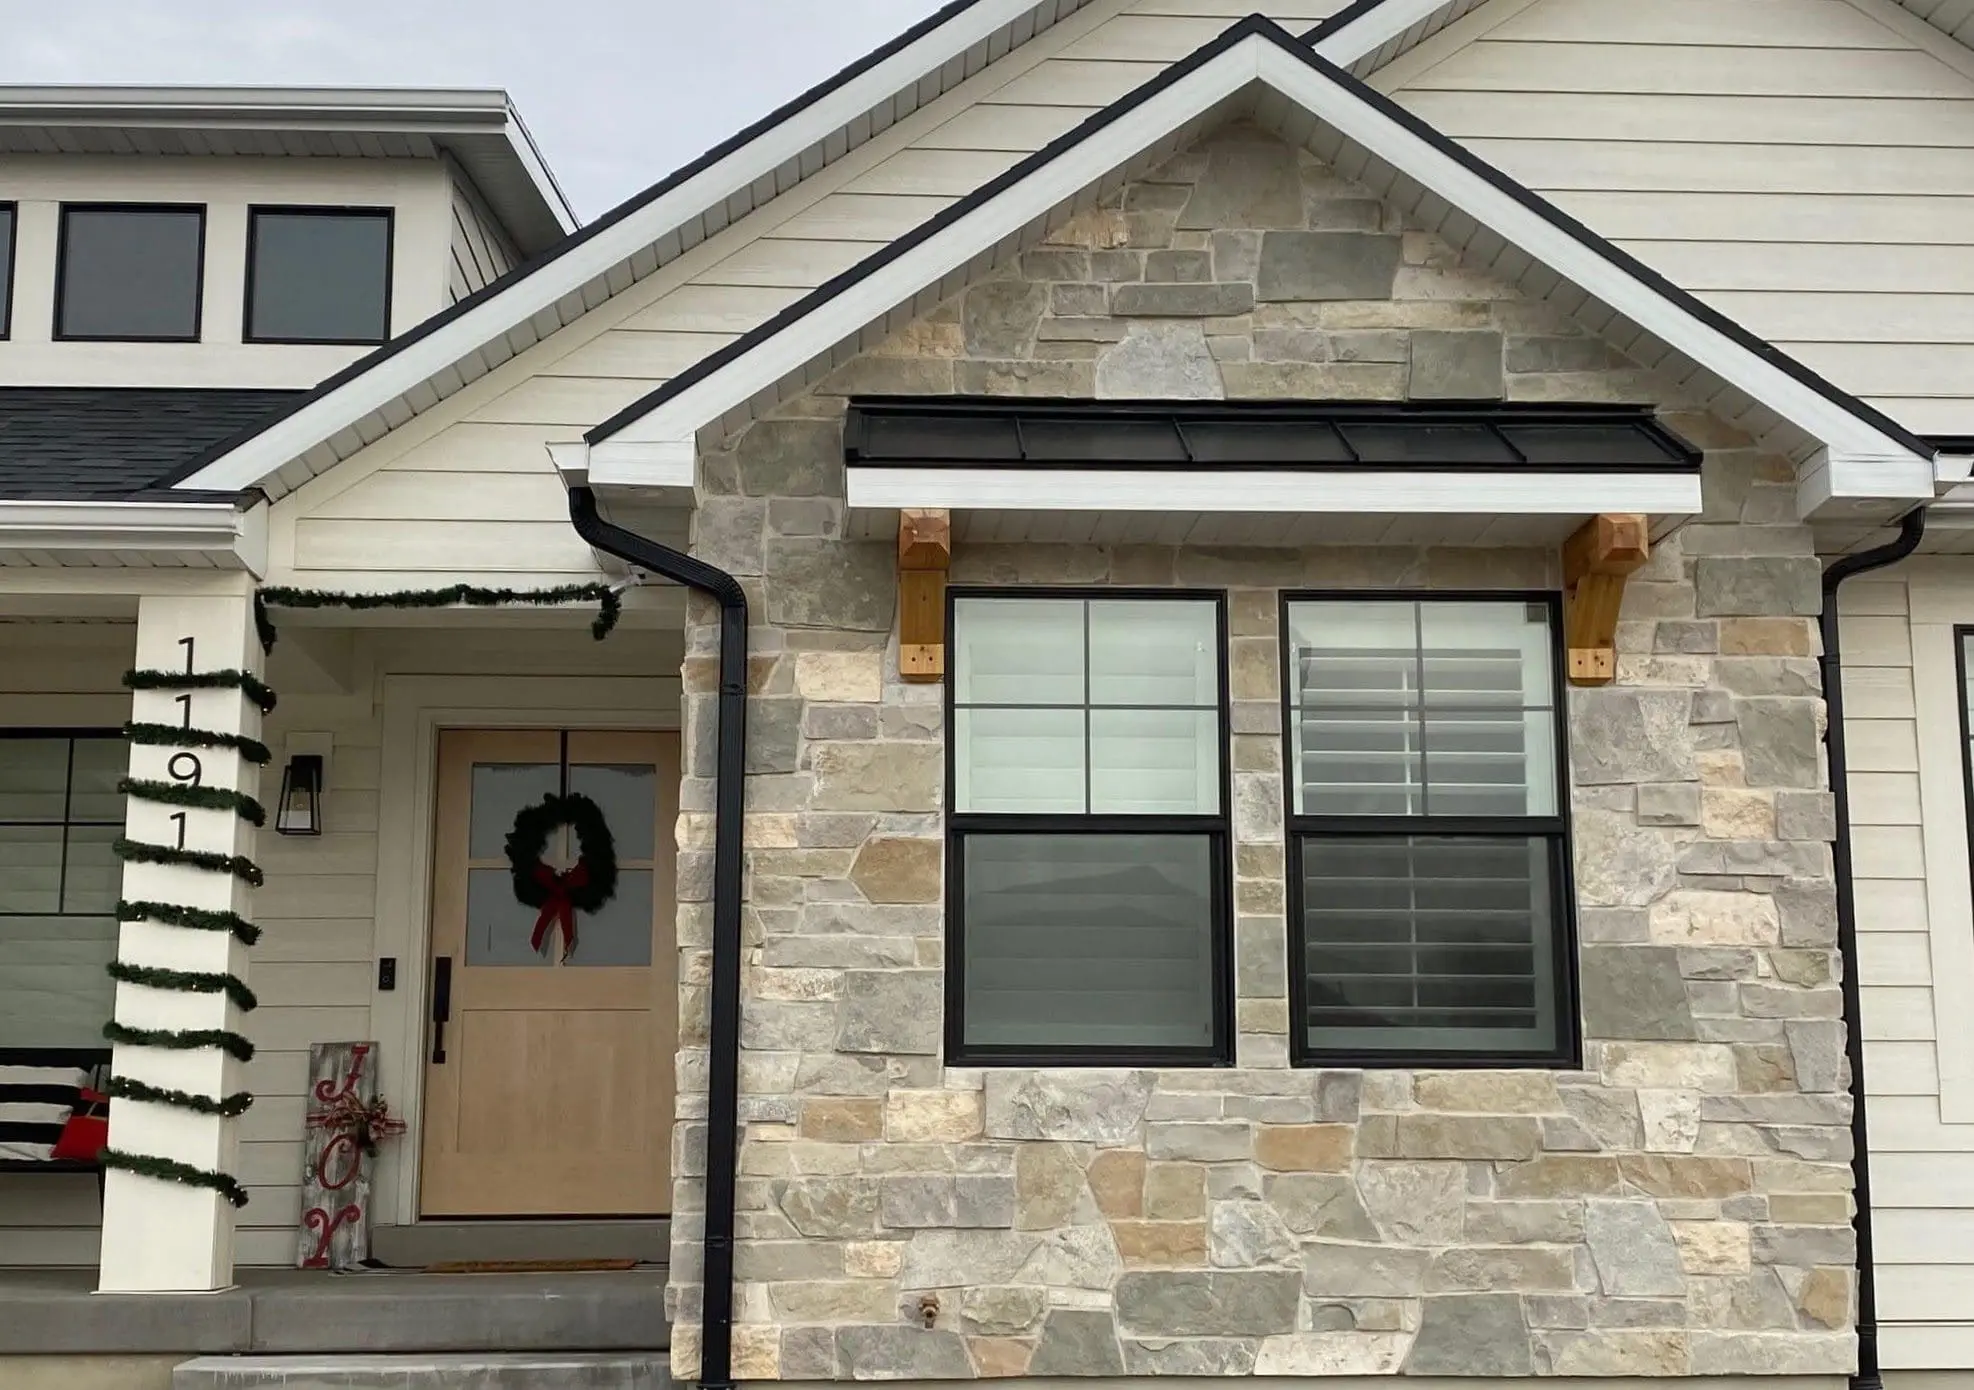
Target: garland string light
x=607, y=598
x=187, y=790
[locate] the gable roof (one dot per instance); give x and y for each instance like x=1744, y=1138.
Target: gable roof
x=1309, y=100
x=97, y=444
x=414, y=371
x=479, y=128
x=1954, y=18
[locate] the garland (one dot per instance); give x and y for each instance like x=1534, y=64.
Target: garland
x=586, y=887
x=175, y=736
x=247, y=685
x=191, y=918
x=204, y=798
x=181, y=1039
x=138, y=852
x=191, y=795
x=170, y=1170
x=229, y=1107
x=610, y=603
x=188, y=981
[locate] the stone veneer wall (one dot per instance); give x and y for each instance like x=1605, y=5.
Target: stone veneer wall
x=1678, y=1206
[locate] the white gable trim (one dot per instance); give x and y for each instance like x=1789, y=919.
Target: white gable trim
x=1859, y=457
x=367, y=400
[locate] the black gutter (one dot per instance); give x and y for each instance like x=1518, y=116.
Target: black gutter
x=1911, y=529
x=723, y=1040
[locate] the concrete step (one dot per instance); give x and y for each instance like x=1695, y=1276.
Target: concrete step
x=630, y=1370
x=446, y=1242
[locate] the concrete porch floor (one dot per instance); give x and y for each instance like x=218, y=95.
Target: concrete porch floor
x=56, y=1311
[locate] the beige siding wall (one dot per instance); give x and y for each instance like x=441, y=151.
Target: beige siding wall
x=1916, y=932
x=315, y=964
x=1806, y=166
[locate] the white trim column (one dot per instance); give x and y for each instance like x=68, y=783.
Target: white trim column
x=161, y=1236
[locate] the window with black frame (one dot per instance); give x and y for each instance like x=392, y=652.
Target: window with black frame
x=318, y=275
x=1087, y=885
x=130, y=272
x=1428, y=835
x=59, y=813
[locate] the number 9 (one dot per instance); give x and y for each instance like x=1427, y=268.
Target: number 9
x=185, y=767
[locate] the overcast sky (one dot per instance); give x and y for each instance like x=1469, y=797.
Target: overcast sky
x=616, y=92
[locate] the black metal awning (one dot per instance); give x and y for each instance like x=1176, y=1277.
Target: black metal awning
x=945, y=432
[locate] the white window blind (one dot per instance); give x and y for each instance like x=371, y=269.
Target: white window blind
x=1427, y=827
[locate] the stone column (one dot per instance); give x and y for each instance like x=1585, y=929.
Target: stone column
x=161, y=1236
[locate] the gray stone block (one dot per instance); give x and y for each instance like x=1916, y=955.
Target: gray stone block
x=791, y=458
x=1175, y=266
x=1217, y=299
x=1077, y=1342
x=1479, y=1334
x=1326, y=266
x=1159, y=361
x=1103, y=1107
x=1761, y=586
x=1780, y=742
x=902, y=1351
x=890, y=1011
x=1455, y=367
x=1248, y=183
x=999, y=319
x=1224, y=1303
x=1633, y=1249
x=1634, y=993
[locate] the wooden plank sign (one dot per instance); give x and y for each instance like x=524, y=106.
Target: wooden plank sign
x=335, y=1231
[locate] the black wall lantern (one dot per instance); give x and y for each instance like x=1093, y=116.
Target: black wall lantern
x=299, y=811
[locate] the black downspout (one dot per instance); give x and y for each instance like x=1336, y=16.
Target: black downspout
x=723, y=1041
x=1911, y=529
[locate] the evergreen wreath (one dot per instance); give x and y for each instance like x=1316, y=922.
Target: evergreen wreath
x=590, y=884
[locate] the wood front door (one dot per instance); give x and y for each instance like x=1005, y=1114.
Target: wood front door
x=549, y=1084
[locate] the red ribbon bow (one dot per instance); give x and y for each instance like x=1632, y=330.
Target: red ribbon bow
x=558, y=909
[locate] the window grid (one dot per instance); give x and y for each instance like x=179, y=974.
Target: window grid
x=1410, y=832
x=1214, y=828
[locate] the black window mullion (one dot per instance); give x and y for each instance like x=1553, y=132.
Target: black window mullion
x=68, y=817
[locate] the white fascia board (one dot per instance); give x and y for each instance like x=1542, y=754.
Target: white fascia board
x=1085, y=163
x=1844, y=433
x=288, y=439
x=215, y=530
x=660, y=465
x=1375, y=28
x=1408, y=491
x=529, y=157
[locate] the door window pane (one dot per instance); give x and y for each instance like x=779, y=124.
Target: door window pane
x=498, y=924
x=319, y=276
x=626, y=796
x=130, y=272
x=1088, y=940
x=500, y=792
x=619, y=932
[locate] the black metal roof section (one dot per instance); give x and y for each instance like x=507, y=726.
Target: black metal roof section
x=952, y=432
x=99, y=444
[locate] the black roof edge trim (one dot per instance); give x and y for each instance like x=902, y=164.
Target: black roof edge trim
x=932, y=226
x=1342, y=19
x=1384, y=106
x=787, y=111
x=1952, y=443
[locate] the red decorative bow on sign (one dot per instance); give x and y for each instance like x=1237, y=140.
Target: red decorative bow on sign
x=559, y=909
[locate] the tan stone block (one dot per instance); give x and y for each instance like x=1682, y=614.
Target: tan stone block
x=1304, y=1148
x=1705, y=917
x=923, y=338
x=1825, y=1297
x=931, y=1116
x=1099, y=229
x=756, y=1351
x=999, y=1357
x=1730, y=814
x=1117, y=1181
x=768, y=1132
x=829, y=1300
x=1252, y=612
x=1720, y=767
x=1712, y=1247
x=891, y=870
x=793, y=983
x=1614, y=1352
x=873, y=1259
x=1795, y=1175
x=840, y=678
x=1261, y=1015
x=845, y=1121
x=1560, y=1175
x=1048, y=1180
x=1766, y=637
x=1254, y=672
x=763, y=830
x=1686, y=1175
x=1488, y=1092
x=1706, y=1067
x=1160, y=1244
x=1468, y=1136
x=1175, y=1191
x=1809, y=1208
x=685, y=1351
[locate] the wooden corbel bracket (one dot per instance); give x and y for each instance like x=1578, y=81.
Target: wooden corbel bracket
x=1596, y=561
x=925, y=551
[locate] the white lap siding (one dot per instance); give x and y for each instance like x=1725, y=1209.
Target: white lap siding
x=1909, y=842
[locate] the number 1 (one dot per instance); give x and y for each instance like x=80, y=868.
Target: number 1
x=186, y=642
x=179, y=816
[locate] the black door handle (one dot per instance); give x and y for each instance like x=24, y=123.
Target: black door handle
x=441, y=1006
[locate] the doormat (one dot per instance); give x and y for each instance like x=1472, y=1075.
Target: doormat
x=528, y=1266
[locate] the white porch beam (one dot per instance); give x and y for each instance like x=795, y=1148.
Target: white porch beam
x=219, y=534
x=162, y=1236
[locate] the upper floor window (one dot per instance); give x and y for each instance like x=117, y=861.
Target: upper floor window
x=318, y=275
x=59, y=812
x=1088, y=864
x=1428, y=841
x=6, y=269
x=132, y=272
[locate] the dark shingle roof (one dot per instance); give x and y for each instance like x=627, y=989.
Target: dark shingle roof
x=87, y=443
